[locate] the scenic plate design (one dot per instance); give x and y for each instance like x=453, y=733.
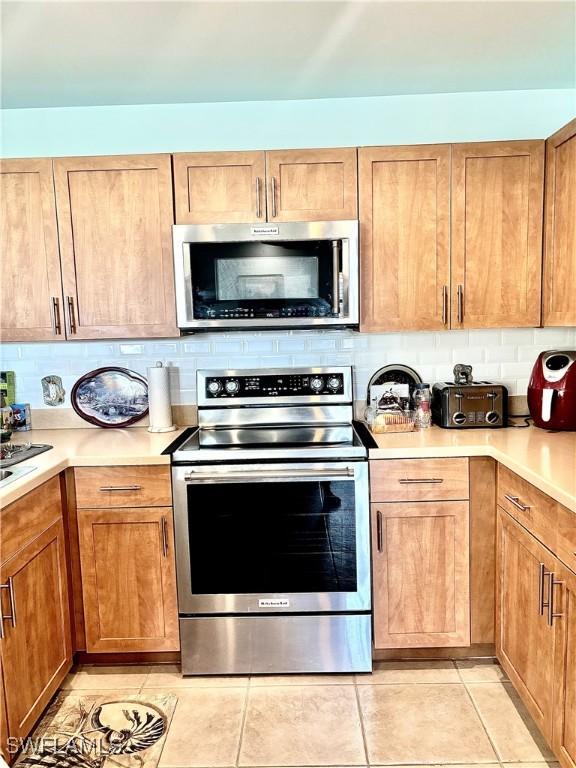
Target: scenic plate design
x=80, y=731
x=111, y=397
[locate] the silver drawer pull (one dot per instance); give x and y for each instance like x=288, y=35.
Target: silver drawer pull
x=121, y=488
x=515, y=501
x=543, y=573
x=552, y=614
x=12, y=615
x=415, y=481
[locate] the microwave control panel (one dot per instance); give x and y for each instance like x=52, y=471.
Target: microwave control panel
x=271, y=385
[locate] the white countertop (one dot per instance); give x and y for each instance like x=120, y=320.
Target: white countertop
x=545, y=459
x=86, y=448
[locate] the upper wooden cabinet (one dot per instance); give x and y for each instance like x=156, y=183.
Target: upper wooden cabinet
x=241, y=187
x=312, y=184
x=220, y=187
x=405, y=237
x=559, y=299
x=31, y=288
x=114, y=221
x=497, y=198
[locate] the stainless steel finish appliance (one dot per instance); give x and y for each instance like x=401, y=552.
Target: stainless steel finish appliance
x=295, y=274
x=272, y=526
x=478, y=404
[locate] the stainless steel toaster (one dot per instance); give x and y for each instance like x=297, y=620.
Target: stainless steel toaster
x=476, y=404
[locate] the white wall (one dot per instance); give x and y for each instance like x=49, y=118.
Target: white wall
x=505, y=356
x=449, y=117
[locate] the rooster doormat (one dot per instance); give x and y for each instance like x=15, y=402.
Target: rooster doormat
x=100, y=731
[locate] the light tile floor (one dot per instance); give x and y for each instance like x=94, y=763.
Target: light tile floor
x=434, y=713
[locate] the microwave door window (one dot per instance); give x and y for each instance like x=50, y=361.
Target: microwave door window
x=272, y=538
x=262, y=279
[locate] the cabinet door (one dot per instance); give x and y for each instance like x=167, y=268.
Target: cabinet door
x=404, y=234
x=497, y=198
x=524, y=641
x=36, y=647
x=128, y=579
x=564, y=740
x=114, y=220
x=220, y=187
x=559, y=304
x=3, y=719
x=312, y=184
x=421, y=574
x=31, y=285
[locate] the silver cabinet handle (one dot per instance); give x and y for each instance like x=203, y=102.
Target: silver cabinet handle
x=515, y=501
x=379, y=534
x=445, y=305
x=460, y=296
x=121, y=488
x=56, y=324
x=71, y=313
x=415, y=481
x=551, y=613
x=9, y=586
x=543, y=573
x=258, y=201
x=164, y=531
x=273, y=195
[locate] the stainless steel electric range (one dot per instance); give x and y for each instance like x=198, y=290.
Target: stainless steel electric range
x=272, y=526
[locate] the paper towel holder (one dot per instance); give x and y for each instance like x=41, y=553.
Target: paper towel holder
x=152, y=410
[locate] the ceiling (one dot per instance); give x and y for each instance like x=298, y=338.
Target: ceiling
x=96, y=53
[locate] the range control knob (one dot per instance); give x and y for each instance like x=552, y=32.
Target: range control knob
x=334, y=383
x=459, y=418
x=316, y=383
x=232, y=386
x=214, y=387
x=492, y=417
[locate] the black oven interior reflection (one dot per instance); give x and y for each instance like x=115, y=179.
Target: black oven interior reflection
x=282, y=537
x=264, y=279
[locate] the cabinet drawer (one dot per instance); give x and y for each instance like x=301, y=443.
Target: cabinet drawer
x=566, y=537
x=101, y=487
x=25, y=519
x=419, y=480
x=530, y=507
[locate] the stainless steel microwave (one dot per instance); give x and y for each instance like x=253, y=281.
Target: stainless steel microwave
x=281, y=275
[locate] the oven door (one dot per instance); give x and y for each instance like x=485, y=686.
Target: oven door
x=289, y=274
x=272, y=538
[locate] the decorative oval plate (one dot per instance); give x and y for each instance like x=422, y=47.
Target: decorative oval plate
x=111, y=397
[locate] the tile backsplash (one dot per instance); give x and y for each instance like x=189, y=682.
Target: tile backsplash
x=506, y=356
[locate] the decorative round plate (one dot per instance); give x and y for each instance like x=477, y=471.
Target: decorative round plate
x=399, y=374
x=111, y=397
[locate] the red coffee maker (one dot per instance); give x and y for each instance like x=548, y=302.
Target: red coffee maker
x=552, y=390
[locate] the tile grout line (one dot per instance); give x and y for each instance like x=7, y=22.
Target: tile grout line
x=476, y=709
x=361, y=717
x=243, y=723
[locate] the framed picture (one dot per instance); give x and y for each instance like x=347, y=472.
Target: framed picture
x=111, y=397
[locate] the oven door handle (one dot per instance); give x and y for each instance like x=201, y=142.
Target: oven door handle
x=267, y=475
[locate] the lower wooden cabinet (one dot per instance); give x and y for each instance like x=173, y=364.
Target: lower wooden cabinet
x=536, y=632
x=564, y=728
x=421, y=581
x=36, y=647
x=525, y=644
x=128, y=579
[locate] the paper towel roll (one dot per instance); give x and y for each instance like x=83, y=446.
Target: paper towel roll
x=159, y=408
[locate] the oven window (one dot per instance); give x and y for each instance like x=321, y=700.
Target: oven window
x=263, y=538
x=262, y=279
